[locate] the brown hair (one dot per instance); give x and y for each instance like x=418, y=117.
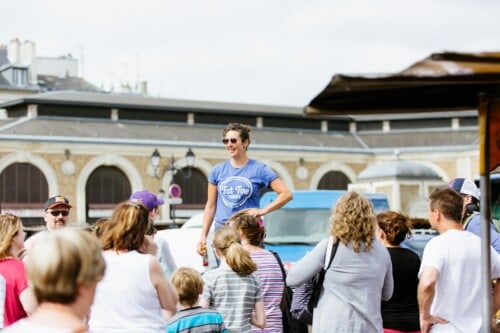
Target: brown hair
x=96, y=228
x=395, y=225
x=353, y=221
x=9, y=227
x=244, y=131
x=226, y=240
x=449, y=202
x=250, y=227
x=126, y=228
x=189, y=285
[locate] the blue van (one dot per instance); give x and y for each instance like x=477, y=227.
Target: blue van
x=295, y=228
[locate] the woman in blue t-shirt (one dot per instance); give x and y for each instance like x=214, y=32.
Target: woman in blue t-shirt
x=235, y=184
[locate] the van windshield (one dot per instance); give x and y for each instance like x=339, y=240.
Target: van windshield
x=297, y=226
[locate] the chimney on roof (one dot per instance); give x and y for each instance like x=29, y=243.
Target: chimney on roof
x=143, y=87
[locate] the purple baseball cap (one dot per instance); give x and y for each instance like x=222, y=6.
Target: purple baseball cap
x=148, y=199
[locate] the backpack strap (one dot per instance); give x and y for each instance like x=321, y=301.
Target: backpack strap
x=331, y=249
x=280, y=263
x=468, y=219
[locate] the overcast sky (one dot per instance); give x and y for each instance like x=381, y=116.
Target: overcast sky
x=258, y=51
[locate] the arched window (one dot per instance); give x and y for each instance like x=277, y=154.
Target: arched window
x=333, y=180
x=105, y=187
x=24, y=191
x=194, y=188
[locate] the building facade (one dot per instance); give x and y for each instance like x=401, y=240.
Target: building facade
x=96, y=149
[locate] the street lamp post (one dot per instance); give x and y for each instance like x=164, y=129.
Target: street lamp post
x=156, y=161
x=159, y=172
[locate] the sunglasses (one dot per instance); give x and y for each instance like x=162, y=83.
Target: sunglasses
x=226, y=141
x=56, y=213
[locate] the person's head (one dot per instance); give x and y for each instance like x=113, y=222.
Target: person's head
x=248, y=226
x=125, y=229
x=395, y=225
x=227, y=244
x=189, y=285
x=56, y=212
x=236, y=135
x=469, y=192
x=353, y=220
x=11, y=235
x=447, y=203
x=148, y=199
x=65, y=265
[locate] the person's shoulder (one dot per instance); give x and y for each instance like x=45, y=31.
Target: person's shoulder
x=14, y=264
x=405, y=253
x=257, y=164
x=32, y=239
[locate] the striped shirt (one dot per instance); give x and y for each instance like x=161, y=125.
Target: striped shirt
x=271, y=280
x=196, y=320
x=233, y=295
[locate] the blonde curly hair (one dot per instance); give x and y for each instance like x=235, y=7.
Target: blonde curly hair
x=353, y=221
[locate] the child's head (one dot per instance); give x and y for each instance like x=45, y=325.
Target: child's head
x=226, y=242
x=189, y=285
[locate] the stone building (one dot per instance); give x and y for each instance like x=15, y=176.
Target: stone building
x=96, y=149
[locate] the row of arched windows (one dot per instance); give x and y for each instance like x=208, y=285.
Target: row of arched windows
x=24, y=189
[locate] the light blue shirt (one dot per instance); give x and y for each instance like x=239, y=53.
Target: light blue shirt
x=238, y=188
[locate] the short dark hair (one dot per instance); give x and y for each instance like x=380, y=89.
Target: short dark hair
x=449, y=202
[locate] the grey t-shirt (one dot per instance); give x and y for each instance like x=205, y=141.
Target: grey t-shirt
x=233, y=295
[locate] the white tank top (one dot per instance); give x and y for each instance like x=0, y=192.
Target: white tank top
x=126, y=301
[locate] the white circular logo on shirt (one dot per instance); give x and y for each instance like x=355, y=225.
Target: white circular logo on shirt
x=235, y=191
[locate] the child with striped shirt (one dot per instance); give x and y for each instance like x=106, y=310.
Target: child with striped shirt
x=231, y=288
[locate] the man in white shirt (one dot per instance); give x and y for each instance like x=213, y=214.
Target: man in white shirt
x=449, y=291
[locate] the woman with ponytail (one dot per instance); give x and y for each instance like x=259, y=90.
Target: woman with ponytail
x=232, y=288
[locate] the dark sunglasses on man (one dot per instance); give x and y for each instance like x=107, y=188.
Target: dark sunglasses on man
x=56, y=213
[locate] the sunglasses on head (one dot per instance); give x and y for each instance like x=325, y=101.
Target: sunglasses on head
x=56, y=213
x=226, y=141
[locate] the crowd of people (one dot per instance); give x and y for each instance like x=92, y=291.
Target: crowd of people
x=120, y=278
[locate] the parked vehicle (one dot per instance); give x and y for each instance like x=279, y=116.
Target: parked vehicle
x=182, y=242
x=419, y=239
x=297, y=227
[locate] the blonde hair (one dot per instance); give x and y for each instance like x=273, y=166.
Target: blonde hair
x=353, y=221
x=249, y=225
x=10, y=225
x=189, y=285
x=61, y=261
x=125, y=229
x=226, y=240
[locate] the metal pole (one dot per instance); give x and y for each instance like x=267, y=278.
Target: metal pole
x=484, y=183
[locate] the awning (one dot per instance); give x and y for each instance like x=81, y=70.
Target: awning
x=442, y=82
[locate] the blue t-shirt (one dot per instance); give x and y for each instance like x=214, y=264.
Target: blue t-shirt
x=196, y=320
x=238, y=188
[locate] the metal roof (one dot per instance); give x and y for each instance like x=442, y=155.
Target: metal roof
x=444, y=81
x=127, y=101
x=67, y=129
